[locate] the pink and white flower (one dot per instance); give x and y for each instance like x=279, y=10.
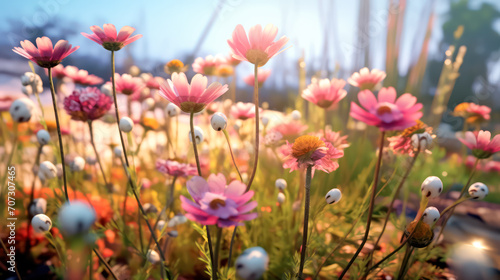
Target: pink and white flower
x=325, y=93
x=175, y=168
x=262, y=75
x=367, y=79
x=128, y=85
x=45, y=55
x=481, y=144
x=109, y=39
x=208, y=66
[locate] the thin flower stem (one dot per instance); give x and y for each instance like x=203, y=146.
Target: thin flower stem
x=306, y=222
x=165, y=209
x=59, y=134
x=257, y=122
x=211, y=250
x=217, y=249
x=116, y=106
x=231, y=152
x=103, y=261
x=193, y=138
x=404, y=264
x=97, y=154
x=370, y=209
x=231, y=250
x=11, y=156
x=452, y=206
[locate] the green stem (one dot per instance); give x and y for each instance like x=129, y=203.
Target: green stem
x=231, y=152
x=165, y=209
x=116, y=106
x=193, y=138
x=217, y=249
x=404, y=264
x=257, y=122
x=231, y=250
x=306, y=221
x=103, y=261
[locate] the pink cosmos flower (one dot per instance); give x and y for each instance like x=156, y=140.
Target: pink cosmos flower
x=87, y=104
x=58, y=72
x=209, y=65
x=154, y=82
x=192, y=97
x=335, y=138
x=366, y=79
x=81, y=77
x=387, y=113
x=290, y=129
x=218, y=203
x=478, y=113
x=128, y=85
x=174, y=168
x=325, y=93
x=262, y=76
x=258, y=47
x=108, y=37
x=243, y=111
x=481, y=144
x=45, y=55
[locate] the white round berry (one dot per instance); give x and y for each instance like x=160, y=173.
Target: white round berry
x=252, y=263
x=431, y=187
x=265, y=120
x=218, y=121
x=118, y=151
x=198, y=135
x=161, y=224
x=153, y=257
x=43, y=137
x=333, y=196
x=280, y=183
x=172, y=110
x=126, y=124
x=478, y=190
x=431, y=215
x=296, y=115
x=177, y=220
x=76, y=217
x=41, y=223
x=107, y=89
x=21, y=109
x=47, y=170
x=39, y=206
x=78, y=164
x=281, y=198
x=424, y=140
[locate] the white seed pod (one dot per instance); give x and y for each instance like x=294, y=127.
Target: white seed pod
x=118, y=151
x=41, y=223
x=281, y=198
x=280, y=183
x=198, y=135
x=252, y=263
x=296, y=115
x=76, y=218
x=39, y=206
x=218, y=121
x=27, y=78
x=47, y=170
x=431, y=187
x=424, y=140
x=126, y=124
x=21, y=110
x=172, y=110
x=107, y=89
x=150, y=208
x=153, y=257
x=333, y=196
x=43, y=137
x=161, y=224
x=148, y=104
x=431, y=215
x=173, y=233
x=78, y=164
x=265, y=120
x=478, y=190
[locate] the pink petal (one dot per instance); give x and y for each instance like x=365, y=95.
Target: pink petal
x=405, y=101
x=387, y=95
x=197, y=187
x=45, y=47
x=367, y=99
x=124, y=33
x=235, y=189
x=132, y=39
x=110, y=31
x=217, y=183
x=247, y=207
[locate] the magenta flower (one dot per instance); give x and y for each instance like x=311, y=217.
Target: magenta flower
x=387, y=113
x=209, y=65
x=128, y=85
x=481, y=144
x=108, y=37
x=218, y=203
x=81, y=77
x=87, y=104
x=325, y=93
x=174, y=168
x=45, y=55
x=243, y=111
x=262, y=76
x=335, y=138
x=153, y=82
x=366, y=79
x=194, y=97
x=259, y=46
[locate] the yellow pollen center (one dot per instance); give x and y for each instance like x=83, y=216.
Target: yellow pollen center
x=384, y=110
x=175, y=63
x=214, y=204
x=306, y=144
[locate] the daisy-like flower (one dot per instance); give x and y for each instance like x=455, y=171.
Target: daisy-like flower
x=128, y=85
x=481, y=144
x=216, y=203
x=87, y=104
x=208, y=66
x=472, y=113
x=109, y=39
x=194, y=97
x=387, y=113
x=175, y=66
x=367, y=79
x=311, y=150
x=232, y=61
x=402, y=143
x=175, y=168
x=335, y=138
x=290, y=129
x=81, y=77
x=262, y=76
x=58, y=72
x=325, y=93
x=225, y=70
x=153, y=82
x=259, y=46
x=243, y=111
x=45, y=55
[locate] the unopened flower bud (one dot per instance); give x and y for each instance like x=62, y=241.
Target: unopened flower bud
x=431, y=215
x=333, y=196
x=153, y=256
x=422, y=140
x=161, y=225
x=47, y=170
x=126, y=124
x=173, y=233
x=265, y=120
x=280, y=184
x=43, y=137
x=218, y=121
x=252, y=263
x=296, y=115
x=198, y=135
x=431, y=187
x=118, y=152
x=21, y=110
x=41, y=223
x=107, y=89
x=478, y=190
x=172, y=110
x=78, y=164
x=281, y=198
x=76, y=218
x=39, y=206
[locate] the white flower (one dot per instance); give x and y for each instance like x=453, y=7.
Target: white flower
x=76, y=217
x=431, y=187
x=218, y=121
x=43, y=137
x=478, y=190
x=252, y=263
x=126, y=124
x=21, y=110
x=431, y=215
x=39, y=206
x=47, y=170
x=333, y=196
x=280, y=184
x=41, y=223
x=198, y=135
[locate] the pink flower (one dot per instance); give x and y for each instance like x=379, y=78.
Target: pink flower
x=258, y=47
x=154, y=82
x=290, y=129
x=87, y=104
x=478, y=113
x=335, y=138
x=128, y=85
x=45, y=55
x=262, y=76
x=58, y=72
x=209, y=65
x=232, y=61
x=243, y=111
x=108, y=37
x=325, y=93
x=366, y=79
x=6, y=100
x=481, y=144
x=192, y=97
x=82, y=77
x=218, y=203
x=387, y=113
x=174, y=168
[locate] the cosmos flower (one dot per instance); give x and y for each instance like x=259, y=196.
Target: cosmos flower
x=366, y=79
x=175, y=66
x=258, y=47
x=387, y=113
x=175, y=168
x=290, y=129
x=81, y=77
x=481, y=144
x=109, y=39
x=218, y=203
x=402, y=143
x=87, y=104
x=208, y=66
x=472, y=113
x=153, y=82
x=335, y=138
x=243, y=111
x=128, y=85
x=45, y=55
x=325, y=93
x=262, y=76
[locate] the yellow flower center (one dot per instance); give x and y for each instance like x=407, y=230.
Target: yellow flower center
x=225, y=71
x=418, y=128
x=216, y=203
x=175, y=63
x=305, y=145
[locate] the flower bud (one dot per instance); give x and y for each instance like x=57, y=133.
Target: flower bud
x=333, y=196
x=252, y=263
x=281, y=198
x=27, y=78
x=198, y=135
x=173, y=233
x=172, y=110
x=21, y=110
x=107, y=89
x=126, y=124
x=280, y=184
x=39, y=206
x=265, y=120
x=431, y=215
x=77, y=165
x=27, y=90
x=296, y=115
x=43, y=137
x=41, y=223
x=76, y=218
x=431, y=187
x=423, y=234
x=150, y=208
x=478, y=190
x=161, y=224
x=118, y=152
x=218, y=121
x=177, y=220
x=422, y=140
x=153, y=257
x=47, y=170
